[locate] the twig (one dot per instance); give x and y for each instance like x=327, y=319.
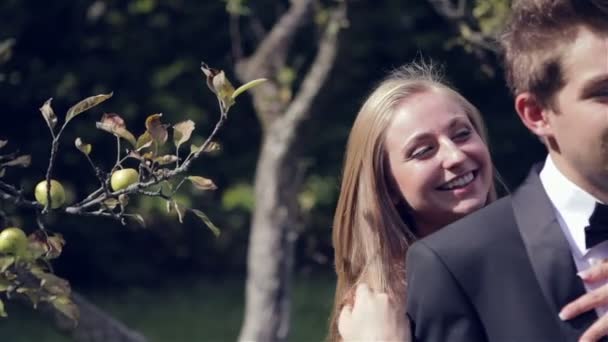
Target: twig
x=54, y=149
x=117, y=151
x=157, y=177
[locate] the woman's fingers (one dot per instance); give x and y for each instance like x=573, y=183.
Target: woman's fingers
x=595, y=273
x=591, y=300
x=345, y=322
x=372, y=317
x=596, y=331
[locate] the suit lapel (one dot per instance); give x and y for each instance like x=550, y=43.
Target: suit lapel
x=549, y=252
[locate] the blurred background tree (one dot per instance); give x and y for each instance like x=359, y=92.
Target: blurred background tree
x=176, y=281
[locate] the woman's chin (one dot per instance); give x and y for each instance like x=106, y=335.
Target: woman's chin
x=469, y=206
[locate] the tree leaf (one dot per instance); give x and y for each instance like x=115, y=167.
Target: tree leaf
x=2, y=311
x=211, y=147
x=111, y=203
x=139, y=219
x=65, y=305
x=33, y=294
x=113, y=123
x=36, y=245
x=6, y=262
x=156, y=129
x=52, y=283
x=182, y=132
x=123, y=200
x=202, y=183
x=84, y=148
x=207, y=221
x=180, y=210
x=166, y=159
x=23, y=161
x=209, y=74
x=86, y=104
x=223, y=89
x=49, y=114
x=194, y=148
x=4, y=284
x=144, y=141
x=55, y=245
x=247, y=86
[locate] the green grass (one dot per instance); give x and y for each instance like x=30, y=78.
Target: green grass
x=186, y=311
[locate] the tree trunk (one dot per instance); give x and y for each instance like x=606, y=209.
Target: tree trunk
x=278, y=178
x=271, y=245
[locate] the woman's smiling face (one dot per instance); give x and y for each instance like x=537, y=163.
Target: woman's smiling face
x=439, y=162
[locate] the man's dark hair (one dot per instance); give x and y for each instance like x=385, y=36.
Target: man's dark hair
x=536, y=37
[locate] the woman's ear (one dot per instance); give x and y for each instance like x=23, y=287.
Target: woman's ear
x=533, y=114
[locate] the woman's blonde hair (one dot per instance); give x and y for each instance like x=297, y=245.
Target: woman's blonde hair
x=371, y=233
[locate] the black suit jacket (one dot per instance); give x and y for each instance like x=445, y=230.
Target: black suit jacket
x=500, y=274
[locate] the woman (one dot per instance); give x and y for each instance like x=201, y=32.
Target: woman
x=417, y=159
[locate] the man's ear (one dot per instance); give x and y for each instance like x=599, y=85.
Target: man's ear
x=532, y=114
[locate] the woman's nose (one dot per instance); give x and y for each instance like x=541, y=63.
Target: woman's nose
x=453, y=155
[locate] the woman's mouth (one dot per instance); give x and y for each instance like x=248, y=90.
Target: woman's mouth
x=459, y=182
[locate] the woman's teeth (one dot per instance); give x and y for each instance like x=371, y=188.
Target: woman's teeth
x=459, y=182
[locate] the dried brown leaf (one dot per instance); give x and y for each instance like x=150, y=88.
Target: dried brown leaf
x=166, y=159
x=84, y=148
x=86, y=104
x=49, y=114
x=202, y=183
x=156, y=129
x=182, y=132
x=144, y=141
x=113, y=123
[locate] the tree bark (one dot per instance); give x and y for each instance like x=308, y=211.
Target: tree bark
x=273, y=234
x=278, y=178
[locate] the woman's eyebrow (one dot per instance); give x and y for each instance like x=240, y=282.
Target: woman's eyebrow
x=414, y=139
x=455, y=121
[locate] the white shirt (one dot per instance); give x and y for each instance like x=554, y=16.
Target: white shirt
x=573, y=207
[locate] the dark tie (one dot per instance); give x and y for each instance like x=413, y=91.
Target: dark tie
x=597, y=230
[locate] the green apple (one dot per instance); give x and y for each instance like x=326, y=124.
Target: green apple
x=13, y=241
x=57, y=194
x=121, y=179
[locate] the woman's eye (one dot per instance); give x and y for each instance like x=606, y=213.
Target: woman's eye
x=421, y=152
x=462, y=134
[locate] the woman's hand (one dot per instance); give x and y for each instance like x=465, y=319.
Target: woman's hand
x=373, y=317
x=589, y=301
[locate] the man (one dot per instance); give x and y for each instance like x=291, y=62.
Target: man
x=506, y=272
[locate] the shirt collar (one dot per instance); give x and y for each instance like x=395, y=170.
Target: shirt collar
x=572, y=203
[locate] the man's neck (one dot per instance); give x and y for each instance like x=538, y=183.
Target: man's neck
x=578, y=178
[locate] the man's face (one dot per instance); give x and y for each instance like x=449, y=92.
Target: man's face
x=578, y=122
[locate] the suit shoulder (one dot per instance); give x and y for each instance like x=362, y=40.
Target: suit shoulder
x=476, y=229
